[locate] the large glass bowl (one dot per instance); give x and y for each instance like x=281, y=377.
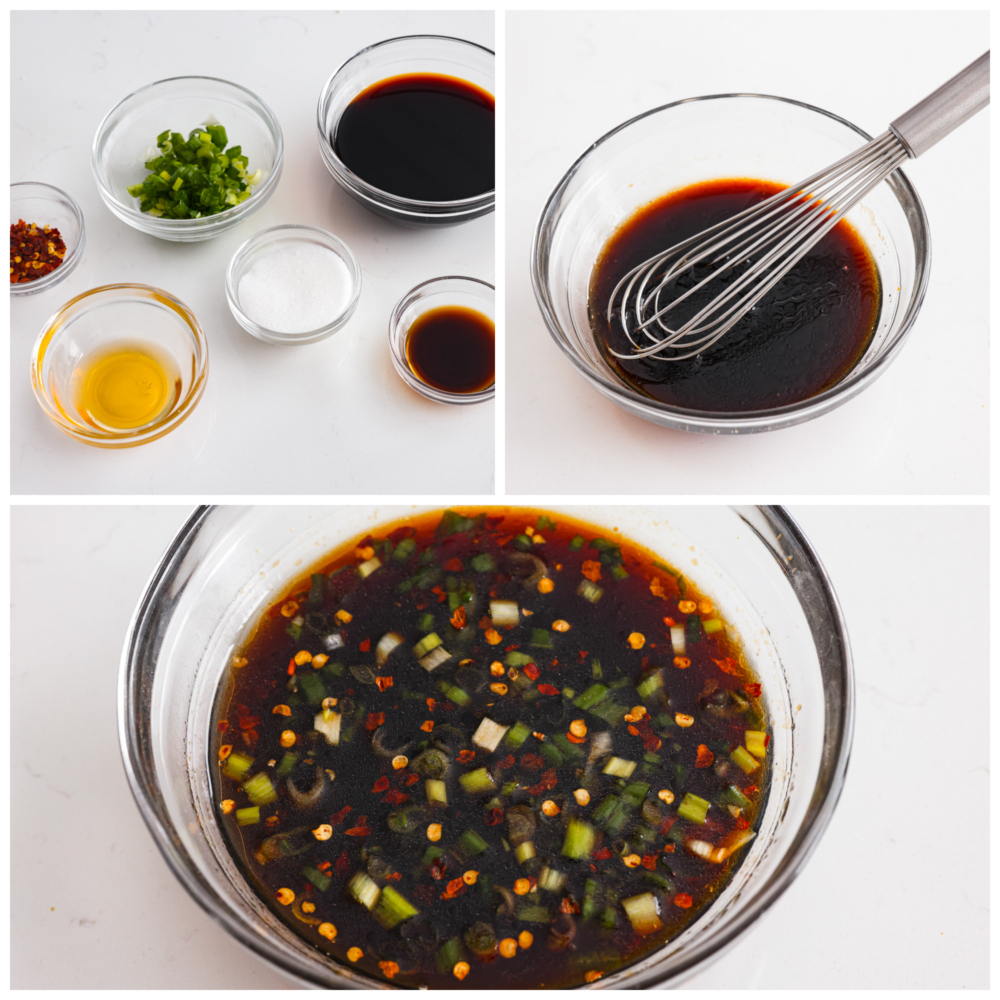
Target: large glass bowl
x=129, y=131
x=227, y=564
x=725, y=135
x=395, y=57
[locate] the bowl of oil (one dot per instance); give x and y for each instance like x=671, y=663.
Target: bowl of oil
x=120, y=365
x=676, y=170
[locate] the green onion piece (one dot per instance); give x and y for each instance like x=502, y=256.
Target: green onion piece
x=393, y=908
x=426, y=644
x=404, y=550
x=524, y=852
x=482, y=563
x=312, y=687
x=523, y=542
x=541, y=637
x=425, y=623
x=732, y=796
x=552, y=753
x=592, y=696
x=237, y=765
x=259, y=789
x=693, y=808
x=659, y=880
x=634, y=794
x=453, y=523
x=619, y=572
x=504, y=613
x=605, y=809
x=334, y=669
x=590, y=591
x=619, y=767
x=288, y=762
x=544, y=524
x=328, y=722
x=665, y=720
x=436, y=791
x=743, y=760
x=609, y=918
x=516, y=659
x=568, y=693
x=472, y=843
x=295, y=631
x=318, y=879
x=595, y=667
x=551, y=880
x=517, y=734
x=651, y=684
x=430, y=855
x=644, y=913
x=571, y=751
x=712, y=625
x=618, y=818
x=579, y=840
x=248, y=816
x=533, y=914
x=665, y=568
x=316, y=589
x=576, y=543
x=756, y=742
x=363, y=890
x=477, y=782
x=454, y=693
x=449, y=955
x=610, y=711
x=692, y=630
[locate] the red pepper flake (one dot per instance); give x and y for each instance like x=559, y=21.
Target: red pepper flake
x=249, y=721
x=361, y=830
x=750, y=789
x=324, y=866
x=291, y=667
x=547, y=689
x=448, y=706
x=454, y=888
x=583, y=655
x=454, y=566
x=437, y=590
x=645, y=662
x=485, y=622
x=465, y=756
x=395, y=797
x=421, y=606
x=767, y=739
x=576, y=739
x=494, y=817
x=649, y=861
x=430, y=704
x=508, y=761
x=338, y=817
x=752, y=689
x=437, y=867
x=375, y=719
x=381, y=785
x=223, y=726
x=705, y=756
x=668, y=822
x=428, y=725
x=250, y=737
x=669, y=849
x=633, y=730
x=365, y=645
x=568, y=905
x=742, y=824
x=413, y=779
x=458, y=618
x=532, y=762
x=343, y=865
x=383, y=683
x=728, y=665
x=669, y=622
x=513, y=646
x=548, y=782
x=532, y=671
x=394, y=877
x=683, y=900
x=603, y=854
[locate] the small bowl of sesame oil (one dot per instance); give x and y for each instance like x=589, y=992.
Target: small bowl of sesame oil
x=120, y=365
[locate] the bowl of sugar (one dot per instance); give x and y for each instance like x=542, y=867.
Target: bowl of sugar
x=293, y=284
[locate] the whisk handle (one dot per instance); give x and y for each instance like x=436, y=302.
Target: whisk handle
x=928, y=122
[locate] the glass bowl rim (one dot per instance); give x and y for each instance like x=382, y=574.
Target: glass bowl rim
x=398, y=353
x=142, y=778
x=73, y=254
x=144, y=219
x=380, y=196
x=708, y=420
x=133, y=436
x=269, y=336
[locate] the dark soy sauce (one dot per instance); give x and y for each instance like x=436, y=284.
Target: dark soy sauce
x=453, y=349
x=802, y=338
x=420, y=136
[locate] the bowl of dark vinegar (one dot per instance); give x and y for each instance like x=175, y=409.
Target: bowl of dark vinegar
x=669, y=173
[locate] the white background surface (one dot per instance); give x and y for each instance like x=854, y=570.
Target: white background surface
x=896, y=894
x=922, y=427
x=332, y=417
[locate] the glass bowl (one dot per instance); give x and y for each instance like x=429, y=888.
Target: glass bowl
x=228, y=564
x=130, y=129
x=95, y=320
x=264, y=243
x=449, y=291
x=395, y=57
x=46, y=205
x=726, y=135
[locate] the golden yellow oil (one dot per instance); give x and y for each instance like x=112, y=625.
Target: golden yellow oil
x=125, y=385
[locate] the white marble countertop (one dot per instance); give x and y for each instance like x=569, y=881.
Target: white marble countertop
x=921, y=428
x=328, y=418
x=895, y=896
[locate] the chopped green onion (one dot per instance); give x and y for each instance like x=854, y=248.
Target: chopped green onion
x=449, y=955
x=248, y=816
x=316, y=589
x=489, y=734
x=693, y=630
x=434, y=659
x=516, y=735
x=619, y=767
x=437, y=791
x=545, y=524
x=677, y=639
x=533, y=914
x=294, y=630
x=425, y=623
x=595, y=668
x=712, y=625
x=610, y=711
x=579, y=841
x=523, y=542
x=619, y=572
x=552, y=754
x=369, y=566
x=731, y=795
x=312, y=687
x=404, y=550
x=634, y=794
x=454, y=693
x=426, y=644
x=363, y=890
x=651, y=684
x=541, y=637
x=592, y=696
x=665, y=568
x=477, y=782
x=237, y=765
x=516, y=659
x=483, y=563
x=504, y=612
x=576, y=543
x=590, y=591
x=318, y=879
x=693, y=808
x=327, y=722
x=644, y=913
x=605, y=809
x=259, y=789
x=743, y=760
x=756, y=742
x=472, y=843
x=386, y=645
x=571, y=751
x=524, y=852
x=288, y=762
x=393, y=908
x=551, y=880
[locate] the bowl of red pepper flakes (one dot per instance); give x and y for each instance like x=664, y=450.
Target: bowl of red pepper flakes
x=47, y=237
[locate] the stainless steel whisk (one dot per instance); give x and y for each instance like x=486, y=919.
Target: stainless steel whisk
x=771, y=237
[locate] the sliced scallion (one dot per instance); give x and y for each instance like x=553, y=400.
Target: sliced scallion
x=693, y=808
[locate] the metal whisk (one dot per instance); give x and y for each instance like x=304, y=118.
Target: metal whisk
x=752, y=251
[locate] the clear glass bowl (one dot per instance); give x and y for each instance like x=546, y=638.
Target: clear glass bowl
x=46, y=205
x=228, y=564
x=104, y=316
x=266, y=242
x=395, y=57
x=129, y=131
x=726, y=135
x=449, y=291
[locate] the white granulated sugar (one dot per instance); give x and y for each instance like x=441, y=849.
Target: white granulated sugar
x=296, y=289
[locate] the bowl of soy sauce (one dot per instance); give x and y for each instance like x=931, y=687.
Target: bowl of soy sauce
x=407, y=128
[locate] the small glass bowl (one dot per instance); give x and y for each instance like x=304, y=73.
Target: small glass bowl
x=103, y=316
x=394, y=57
x=261, y=245
x=724, y=135
x=46, y=205
x=130, y=129
x=448, y=291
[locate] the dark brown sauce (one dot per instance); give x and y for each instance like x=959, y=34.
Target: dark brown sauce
x=801, y=339
x=421, y=136
x=453, y=349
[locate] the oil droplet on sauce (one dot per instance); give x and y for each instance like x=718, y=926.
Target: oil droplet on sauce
x=125, y=385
